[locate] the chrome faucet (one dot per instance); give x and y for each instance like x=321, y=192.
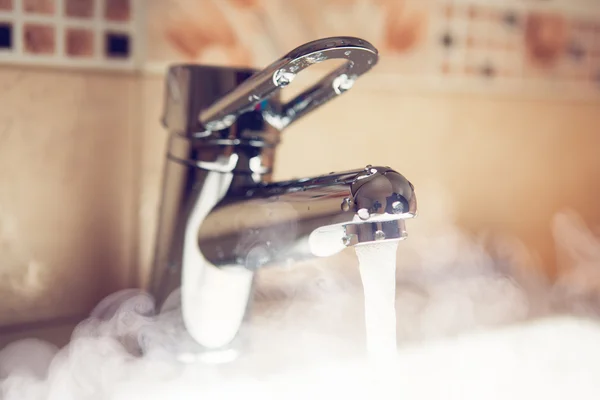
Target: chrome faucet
x=221, y=217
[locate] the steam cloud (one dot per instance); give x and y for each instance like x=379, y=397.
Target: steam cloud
x=306, y=337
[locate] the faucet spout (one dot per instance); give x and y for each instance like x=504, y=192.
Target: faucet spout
x=272, y=224
x=284, y=222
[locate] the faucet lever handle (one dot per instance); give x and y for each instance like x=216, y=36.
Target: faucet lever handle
x=361, y=56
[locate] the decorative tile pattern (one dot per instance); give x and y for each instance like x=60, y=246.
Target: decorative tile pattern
x=550, y=46
x=71, y=33
x=516, y=45
x=6, y=35
x=79, y=42
x=79, y=8
x=39, y=39
x=117, y=45
x=494, y=45
x=39, y=6
x=6, y=5
x=117, y=10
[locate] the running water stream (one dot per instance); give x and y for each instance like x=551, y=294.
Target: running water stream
x=377, y=263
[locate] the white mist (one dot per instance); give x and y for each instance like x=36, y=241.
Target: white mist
x=452, y=298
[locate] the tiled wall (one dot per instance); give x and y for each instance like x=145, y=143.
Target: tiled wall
x=71, y=33
x=524, y=47
x=82, y=152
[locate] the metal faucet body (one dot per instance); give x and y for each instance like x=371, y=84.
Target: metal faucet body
x=221, y=216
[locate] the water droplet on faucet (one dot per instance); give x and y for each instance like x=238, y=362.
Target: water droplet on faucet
x=379, y=235
x=363, y=214
x=370, y=170
x=397, y=207
x=346, y=240
x=347, y=53
x=343, y=83
x=222, y=123
x=315, y=58
x=346, y=204
x=257, y=257
x=283, y=78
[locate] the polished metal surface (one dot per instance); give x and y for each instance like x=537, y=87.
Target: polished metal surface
x=361, y=56
x=221, y=217
x=291, y=221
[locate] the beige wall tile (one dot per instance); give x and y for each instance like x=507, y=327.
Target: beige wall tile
x=67, y=191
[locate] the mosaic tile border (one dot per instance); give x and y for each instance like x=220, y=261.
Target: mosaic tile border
x=101, y=34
